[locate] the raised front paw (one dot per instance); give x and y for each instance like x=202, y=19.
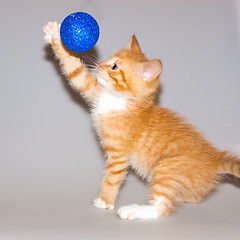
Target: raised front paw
x=52, y=32
x=100, y=203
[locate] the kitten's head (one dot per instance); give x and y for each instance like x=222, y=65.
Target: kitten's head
x=129, y=73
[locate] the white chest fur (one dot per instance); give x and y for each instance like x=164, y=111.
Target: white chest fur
x=109, y=102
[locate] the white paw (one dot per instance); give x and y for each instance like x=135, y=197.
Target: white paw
x=135, y=211
x=100, y=203
x=52, y=32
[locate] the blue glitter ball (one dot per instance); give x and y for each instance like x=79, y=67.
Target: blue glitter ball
x=79, y=32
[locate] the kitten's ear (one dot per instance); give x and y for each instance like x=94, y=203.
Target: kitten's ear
x=134, y=45
x=150, y=70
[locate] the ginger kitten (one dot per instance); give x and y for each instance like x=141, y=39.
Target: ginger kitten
x=177, y=161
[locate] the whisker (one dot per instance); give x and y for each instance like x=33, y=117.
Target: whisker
x=91, y=65
x=94, y=57
x=91, y=58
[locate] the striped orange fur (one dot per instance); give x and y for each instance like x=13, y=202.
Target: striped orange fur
x=177, y=160
x=75, y=73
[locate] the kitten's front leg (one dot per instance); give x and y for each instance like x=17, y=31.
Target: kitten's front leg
x=116, y=170
x=78, y=76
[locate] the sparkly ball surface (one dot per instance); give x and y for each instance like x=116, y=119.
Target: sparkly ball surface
x=79, y=32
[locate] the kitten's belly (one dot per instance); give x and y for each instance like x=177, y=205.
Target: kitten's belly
x=141, y=166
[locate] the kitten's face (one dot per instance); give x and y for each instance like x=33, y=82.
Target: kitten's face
x=129, y=73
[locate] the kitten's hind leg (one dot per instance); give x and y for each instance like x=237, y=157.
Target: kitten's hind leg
x=165, y=188
x=161, y=206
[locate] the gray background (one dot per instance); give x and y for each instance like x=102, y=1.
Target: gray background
x=50, y=161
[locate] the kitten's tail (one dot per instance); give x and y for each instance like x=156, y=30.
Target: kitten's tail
x=229, y=164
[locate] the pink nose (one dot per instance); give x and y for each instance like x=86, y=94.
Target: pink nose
x=99, y=65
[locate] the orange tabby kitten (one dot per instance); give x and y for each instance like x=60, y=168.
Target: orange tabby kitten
x=176, y=160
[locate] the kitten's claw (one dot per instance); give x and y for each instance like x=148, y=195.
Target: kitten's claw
x=100, y=203
x=52, y=32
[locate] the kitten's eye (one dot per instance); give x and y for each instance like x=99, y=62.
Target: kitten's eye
x=114, y=67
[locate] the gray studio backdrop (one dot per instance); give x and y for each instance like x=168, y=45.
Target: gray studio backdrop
x=50, y=161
